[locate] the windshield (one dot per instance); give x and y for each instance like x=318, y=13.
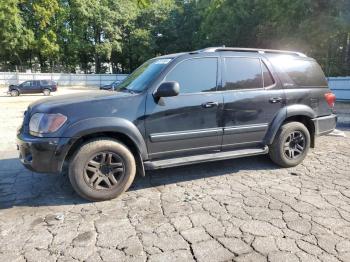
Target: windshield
x=138, y=80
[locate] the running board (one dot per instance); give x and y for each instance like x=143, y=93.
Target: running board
x=188, y=160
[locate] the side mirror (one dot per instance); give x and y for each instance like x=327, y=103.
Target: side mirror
x=167, y=89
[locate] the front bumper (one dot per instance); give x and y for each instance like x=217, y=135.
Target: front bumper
x=43, y=155
x=325, y=124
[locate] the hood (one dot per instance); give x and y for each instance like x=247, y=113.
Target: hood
x=90, y=105
x=46, y=104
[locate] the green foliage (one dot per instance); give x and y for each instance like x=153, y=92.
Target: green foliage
x=318, y=28
x=15, y=38
x=94, y=35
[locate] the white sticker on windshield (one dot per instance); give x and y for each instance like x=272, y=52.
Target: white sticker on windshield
x=162, y=61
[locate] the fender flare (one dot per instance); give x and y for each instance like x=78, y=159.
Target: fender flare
x=108, y=124
x=282, y=115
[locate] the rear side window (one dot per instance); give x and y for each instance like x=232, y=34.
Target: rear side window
x=304, y=73
x=195, y=75
x=242, y=73
x=44, y=82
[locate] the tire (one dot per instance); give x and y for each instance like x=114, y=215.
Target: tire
x=46, y=92
x=14, y=92
x=290, y=145
x=92, y=177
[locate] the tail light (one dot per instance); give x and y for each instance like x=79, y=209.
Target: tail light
x=330, y=98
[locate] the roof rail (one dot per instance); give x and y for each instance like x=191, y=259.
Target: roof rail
x=258, y=50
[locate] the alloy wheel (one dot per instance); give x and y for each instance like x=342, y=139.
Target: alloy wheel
x=104, y=171
x=294, y=145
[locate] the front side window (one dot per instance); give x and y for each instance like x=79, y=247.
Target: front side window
x=27, y=84
x=195, y=75
x=242, y=73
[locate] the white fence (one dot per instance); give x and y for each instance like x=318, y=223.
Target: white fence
x=88, y=80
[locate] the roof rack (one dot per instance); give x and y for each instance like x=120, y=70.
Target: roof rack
x=258, y=50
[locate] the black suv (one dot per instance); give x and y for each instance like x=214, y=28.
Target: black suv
x=33, y=87
x=179, y=109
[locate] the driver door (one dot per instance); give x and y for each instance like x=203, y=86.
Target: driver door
x=189, y=123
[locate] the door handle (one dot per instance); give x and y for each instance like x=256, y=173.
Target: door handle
x=210, y=104
x=275, y=100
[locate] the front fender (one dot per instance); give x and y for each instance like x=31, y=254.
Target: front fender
x=282, y=115
x=107, y=124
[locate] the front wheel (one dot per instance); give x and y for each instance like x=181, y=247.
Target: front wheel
x=290, y=145
x=102, y=169
x=14, y=93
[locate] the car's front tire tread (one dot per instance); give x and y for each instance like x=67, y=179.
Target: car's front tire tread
x=83, y=154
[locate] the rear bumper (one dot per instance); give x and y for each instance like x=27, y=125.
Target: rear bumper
x=43, y=155
x=325, y=124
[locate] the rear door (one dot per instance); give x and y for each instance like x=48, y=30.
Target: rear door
x=252, y=97
x=190, y=122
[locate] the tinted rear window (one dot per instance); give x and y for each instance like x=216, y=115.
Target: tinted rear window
x=302, y=72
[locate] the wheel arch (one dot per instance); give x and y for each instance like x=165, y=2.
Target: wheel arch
x=124, y=139
x=119, y=129
x=294, y=113
x=15, y=89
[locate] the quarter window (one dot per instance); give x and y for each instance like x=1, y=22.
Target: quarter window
x=303, y=72
x=242, y=73
x=195, y=75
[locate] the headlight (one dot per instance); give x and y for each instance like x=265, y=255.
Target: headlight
x=46, y=123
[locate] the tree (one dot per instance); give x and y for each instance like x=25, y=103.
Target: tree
x=15, y=37
x=41, y=17
x=71, y=35
x=318, y=28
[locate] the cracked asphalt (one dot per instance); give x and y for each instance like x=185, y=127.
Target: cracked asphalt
x=237, y=210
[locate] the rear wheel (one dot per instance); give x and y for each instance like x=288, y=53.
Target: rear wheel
x=291, y=145
x=14, y=93
x=46, y=92
x=102, y=169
